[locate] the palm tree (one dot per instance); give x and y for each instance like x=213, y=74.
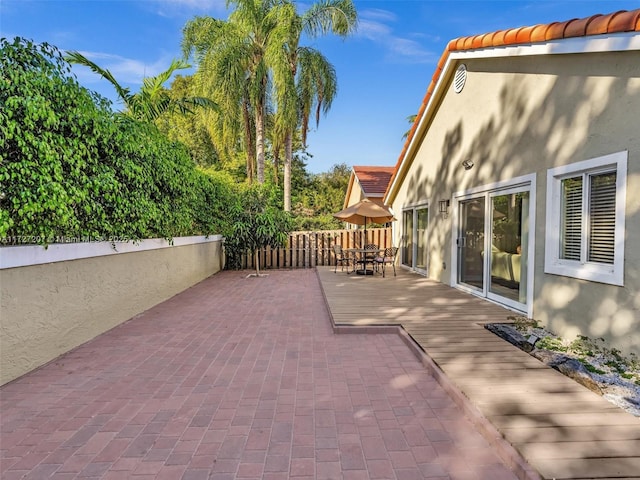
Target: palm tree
x=222, y=59
x=232, y=63
x=411, y=119
x=153, y=99
x=304, y=79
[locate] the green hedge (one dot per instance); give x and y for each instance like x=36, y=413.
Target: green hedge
x=72, y=168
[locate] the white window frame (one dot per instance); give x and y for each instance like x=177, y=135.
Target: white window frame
x=612, y=274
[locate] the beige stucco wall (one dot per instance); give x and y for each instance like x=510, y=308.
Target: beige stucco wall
x=46, y=310
x=356, y=194
x=524, y=115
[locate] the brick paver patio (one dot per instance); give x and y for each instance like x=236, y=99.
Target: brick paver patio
x=238, y=378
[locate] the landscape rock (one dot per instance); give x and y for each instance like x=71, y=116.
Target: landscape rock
x=603, y=380
x=570, y=367
x=511, y=335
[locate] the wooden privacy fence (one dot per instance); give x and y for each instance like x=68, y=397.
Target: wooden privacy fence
x=311, y=249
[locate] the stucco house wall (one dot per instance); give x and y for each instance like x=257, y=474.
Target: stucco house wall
x=521, y=115
x=355, y=193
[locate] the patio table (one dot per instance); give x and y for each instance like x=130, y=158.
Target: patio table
x=363, y=256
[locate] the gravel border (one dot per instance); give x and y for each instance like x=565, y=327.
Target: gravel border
x=600, y=377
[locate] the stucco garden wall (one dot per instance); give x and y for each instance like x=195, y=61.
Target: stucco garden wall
x=51, y=303
x=523, y=115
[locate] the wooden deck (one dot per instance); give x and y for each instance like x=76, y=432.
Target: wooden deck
x=561, y=429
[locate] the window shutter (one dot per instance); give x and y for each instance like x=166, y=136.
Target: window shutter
x=571, y=228
x=602, y=218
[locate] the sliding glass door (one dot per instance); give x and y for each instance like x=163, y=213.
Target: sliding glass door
x=422, y=222
x=509, y=245
x=471, y=244
x=492, y=244
x=415, y=223
x=407, y=238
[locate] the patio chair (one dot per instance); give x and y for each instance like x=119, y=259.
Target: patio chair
x=388, y=256
x=342, y=258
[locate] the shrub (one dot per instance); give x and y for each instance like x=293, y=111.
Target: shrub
x=70, y=167
x=256, y=222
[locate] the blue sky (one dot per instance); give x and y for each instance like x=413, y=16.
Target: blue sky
x=383, y=70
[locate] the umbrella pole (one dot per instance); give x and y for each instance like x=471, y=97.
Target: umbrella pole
x=364, y=255
x=365, y=232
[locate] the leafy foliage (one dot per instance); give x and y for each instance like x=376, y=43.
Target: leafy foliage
x=253, y=67
x=153, y=99
x=256, y=222
x=593, y=353
x=191, y=130
x=72, y=168
x=319, y=196
x=303, y=78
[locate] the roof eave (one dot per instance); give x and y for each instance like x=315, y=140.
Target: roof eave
x=433, y=95
x=349, y=188
x=624, y=41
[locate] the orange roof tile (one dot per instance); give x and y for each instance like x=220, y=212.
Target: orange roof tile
x=477, y=42
x=498, y=39
x=617, y=22
x=625, y=21
x=578, y=28
x=510, y=38
x=487, y=39
x=539, y=33
x=598, y=25
x=524, y=34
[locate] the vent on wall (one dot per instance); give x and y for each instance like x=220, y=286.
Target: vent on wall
x=460, y=78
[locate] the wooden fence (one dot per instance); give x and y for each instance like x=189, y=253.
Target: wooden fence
x=311, y=249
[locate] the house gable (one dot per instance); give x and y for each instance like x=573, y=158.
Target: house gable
x=368, y=182
x=523, y=170
x=597, y=33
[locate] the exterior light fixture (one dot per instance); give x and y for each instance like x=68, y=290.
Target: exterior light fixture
x=444, y=206
x=467, y=164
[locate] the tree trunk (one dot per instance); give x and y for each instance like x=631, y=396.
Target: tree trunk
x=250, y=167
x=288, y=160
x=248, y=141
x=276, y=165
x=260, y=142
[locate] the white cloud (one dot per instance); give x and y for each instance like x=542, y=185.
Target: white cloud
x=171, y=8
x=380, y=15
x=127, y=71
x=372, y=30
x=374, y=26
x=409, y=49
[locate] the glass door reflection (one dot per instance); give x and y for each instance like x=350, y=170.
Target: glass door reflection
x=407, y=240
x=509, y=245
x=470, y=243
x=422, y=222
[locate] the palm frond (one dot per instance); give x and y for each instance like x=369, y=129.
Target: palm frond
x=331, y=16
x=317, y=86
x=77, y=58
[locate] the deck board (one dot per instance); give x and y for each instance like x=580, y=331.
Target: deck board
x=560, y=428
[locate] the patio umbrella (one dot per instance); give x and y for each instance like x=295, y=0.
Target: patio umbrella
x=363, y=212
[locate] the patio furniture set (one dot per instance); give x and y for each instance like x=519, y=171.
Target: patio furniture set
x=360, y=258
x=360, y=213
